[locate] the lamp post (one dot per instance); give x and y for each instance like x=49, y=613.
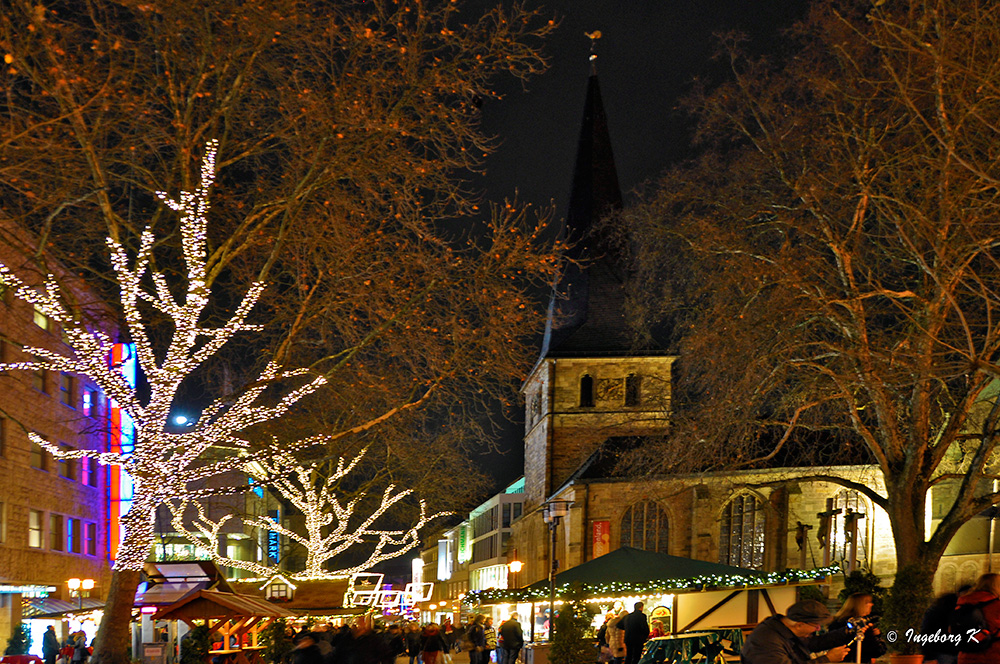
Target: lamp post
x=80, y=588
x=514, y=567
x=553, y=512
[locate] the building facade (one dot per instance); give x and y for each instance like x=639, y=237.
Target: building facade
x=53, y=514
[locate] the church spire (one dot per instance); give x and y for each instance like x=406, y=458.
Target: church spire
x=586, y=309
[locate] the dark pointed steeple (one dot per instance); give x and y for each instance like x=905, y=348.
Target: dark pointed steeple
x=586, y=311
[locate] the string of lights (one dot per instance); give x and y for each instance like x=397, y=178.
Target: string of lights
x=618, y=589
x=163, y=464
x=331, y=524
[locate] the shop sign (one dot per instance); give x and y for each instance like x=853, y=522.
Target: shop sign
x=464, y=547
x=602, y=538
x=27, y=591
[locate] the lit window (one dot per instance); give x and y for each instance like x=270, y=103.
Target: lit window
x=849, y=503
x=34, y=529
x=41, y=320
x=56, y=533
x=741, y=533
x=644, y=526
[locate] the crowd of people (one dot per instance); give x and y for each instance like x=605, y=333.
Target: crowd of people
x=958, y=628
x=75, y=650
x=410, y=643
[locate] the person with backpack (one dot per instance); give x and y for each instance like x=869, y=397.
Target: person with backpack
x=976, y=620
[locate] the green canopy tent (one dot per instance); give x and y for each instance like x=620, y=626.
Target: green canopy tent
x=713, y=594
x=636, y=566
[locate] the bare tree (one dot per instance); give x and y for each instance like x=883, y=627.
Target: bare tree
x=333, y=525
x=345, y=132
x=836, y=253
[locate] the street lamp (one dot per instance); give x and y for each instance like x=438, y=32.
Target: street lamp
x=553, y=512
x=514, y=567
x=80, y=588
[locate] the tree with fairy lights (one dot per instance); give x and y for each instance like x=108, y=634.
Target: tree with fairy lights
x=164, y=464
x=333, y=526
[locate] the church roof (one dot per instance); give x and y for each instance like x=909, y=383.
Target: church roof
x=586, y=315
x=586, y=310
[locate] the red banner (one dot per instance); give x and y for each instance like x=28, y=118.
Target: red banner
x=602, y=538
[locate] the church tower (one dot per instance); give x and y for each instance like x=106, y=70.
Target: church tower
x=590, y=383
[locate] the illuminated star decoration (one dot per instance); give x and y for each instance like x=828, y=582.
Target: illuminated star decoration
x=332, y=527
x=164, y=464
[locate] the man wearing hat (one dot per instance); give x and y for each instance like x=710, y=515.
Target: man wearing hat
x=792, y=638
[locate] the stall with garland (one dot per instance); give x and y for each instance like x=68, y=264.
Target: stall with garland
x=684, y=594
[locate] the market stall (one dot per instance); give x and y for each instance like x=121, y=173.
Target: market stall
x=239, y=619
x=685, y=594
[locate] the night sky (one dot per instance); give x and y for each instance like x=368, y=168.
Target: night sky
x=649, y=54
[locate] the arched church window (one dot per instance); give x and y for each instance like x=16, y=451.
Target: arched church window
x=633, y=385
x=741, y=532
x=852, y=521
x=586, y=391
x=644, y=526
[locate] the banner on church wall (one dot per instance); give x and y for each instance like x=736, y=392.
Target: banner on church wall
x=602, y=538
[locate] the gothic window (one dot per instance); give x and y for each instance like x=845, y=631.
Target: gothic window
x=586, y=391
x=741, y=533
x=849, y=503
x=644, y=526
x=633, y=386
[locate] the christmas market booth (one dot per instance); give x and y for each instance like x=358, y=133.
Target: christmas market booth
x=238, y=619
x=683, y=594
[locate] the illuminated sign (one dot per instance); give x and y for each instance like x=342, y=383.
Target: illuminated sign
x=273, y=540
x=27, y=591
x=464, y=545
x=121, y=439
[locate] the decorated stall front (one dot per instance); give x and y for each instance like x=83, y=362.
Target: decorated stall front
x=686, y=595
x=238, y=619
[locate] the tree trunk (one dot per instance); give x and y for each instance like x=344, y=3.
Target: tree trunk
x=114, y=636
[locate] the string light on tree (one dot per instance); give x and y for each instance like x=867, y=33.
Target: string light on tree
x=332, y=526
x=164, y=464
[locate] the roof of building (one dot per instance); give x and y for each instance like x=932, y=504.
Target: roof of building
x=213, y=604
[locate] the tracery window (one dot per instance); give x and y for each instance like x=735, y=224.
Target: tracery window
x=848, y=502
x=741, y=532
x=644, y=526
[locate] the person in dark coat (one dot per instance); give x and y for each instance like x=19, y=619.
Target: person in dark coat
x=512, y=637
x=476, y=636
x=792, y=638
x=937, y=620
x=50, y=645
x=636, y=633
x=432, y=644
x=306, y=651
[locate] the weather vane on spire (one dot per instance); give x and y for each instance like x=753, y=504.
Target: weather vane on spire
x=593, y=36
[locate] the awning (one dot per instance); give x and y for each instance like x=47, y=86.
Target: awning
x=627, y=571
x=50, y=607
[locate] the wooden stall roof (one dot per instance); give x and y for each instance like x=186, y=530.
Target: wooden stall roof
x=213, y=604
